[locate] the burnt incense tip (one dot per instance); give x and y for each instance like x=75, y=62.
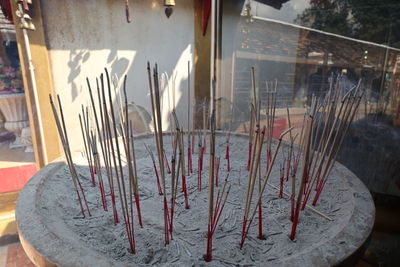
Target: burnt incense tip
x=207, y=258
x=262, y=237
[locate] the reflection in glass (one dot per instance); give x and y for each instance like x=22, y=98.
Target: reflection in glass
x=297, y=47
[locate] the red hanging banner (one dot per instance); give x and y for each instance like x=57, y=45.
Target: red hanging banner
x=6, y=9
x=206, y=15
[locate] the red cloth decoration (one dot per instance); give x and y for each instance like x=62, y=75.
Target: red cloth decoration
x=206, y=15
x=6, y=8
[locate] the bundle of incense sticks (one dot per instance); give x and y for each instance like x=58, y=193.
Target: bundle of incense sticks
x=114, y=147
x=286, y=168
x=290, y=151
x=214, y=212
x=157, y=124
x=249, y=213
x=291, y=171
x=106, y=134
x=106, y=139
x=178, y=144
x=181, y=163
x=129, y=143
x=338, y=118
x=270, y=114
x=92, y=155
x=62, y=131
x=326, y=126
x=305, y=163
x=87, y=143
x=252, y=116
x=104, y=150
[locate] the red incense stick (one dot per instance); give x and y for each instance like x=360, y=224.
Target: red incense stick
x=193, y=143
x=84, y=197
x=317, y=195
x=167, y=163
x=227, y=153
x=64, y=140
x=249, y=156
x=281, y=180
x=199, y=164
x=217, y=162
x=160, y=192
x=189, y=158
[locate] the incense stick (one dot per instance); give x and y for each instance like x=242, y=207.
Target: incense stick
x=249, y=219
x=65, y=143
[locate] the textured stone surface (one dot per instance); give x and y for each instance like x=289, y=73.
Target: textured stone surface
x=63, y=237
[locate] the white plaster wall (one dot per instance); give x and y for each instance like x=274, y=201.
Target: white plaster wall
x=85, y=36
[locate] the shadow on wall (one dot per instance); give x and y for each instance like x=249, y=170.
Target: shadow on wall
x=90, y=35
x=76, y=59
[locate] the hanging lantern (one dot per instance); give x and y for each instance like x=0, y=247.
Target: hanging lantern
x=22, y=13
x=26, y=23
x=168, y=7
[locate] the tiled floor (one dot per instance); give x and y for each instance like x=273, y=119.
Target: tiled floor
x=13, y=255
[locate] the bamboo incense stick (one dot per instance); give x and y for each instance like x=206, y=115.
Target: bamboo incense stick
x=108, y=146
x=87, y=154
x=181, y=145
x=131, y=158
x=97, y=167
x=227, y=152
x=189, y=152
x=214, y=214
x=118, y=169
x=156, y=110
x=249, y=219
x=199, y=161
x=306, y=158
x=64, y=140
x=88, y=140
x=155, y=169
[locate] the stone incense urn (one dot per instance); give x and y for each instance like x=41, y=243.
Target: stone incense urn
x=333, y=233
x=13, y=107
